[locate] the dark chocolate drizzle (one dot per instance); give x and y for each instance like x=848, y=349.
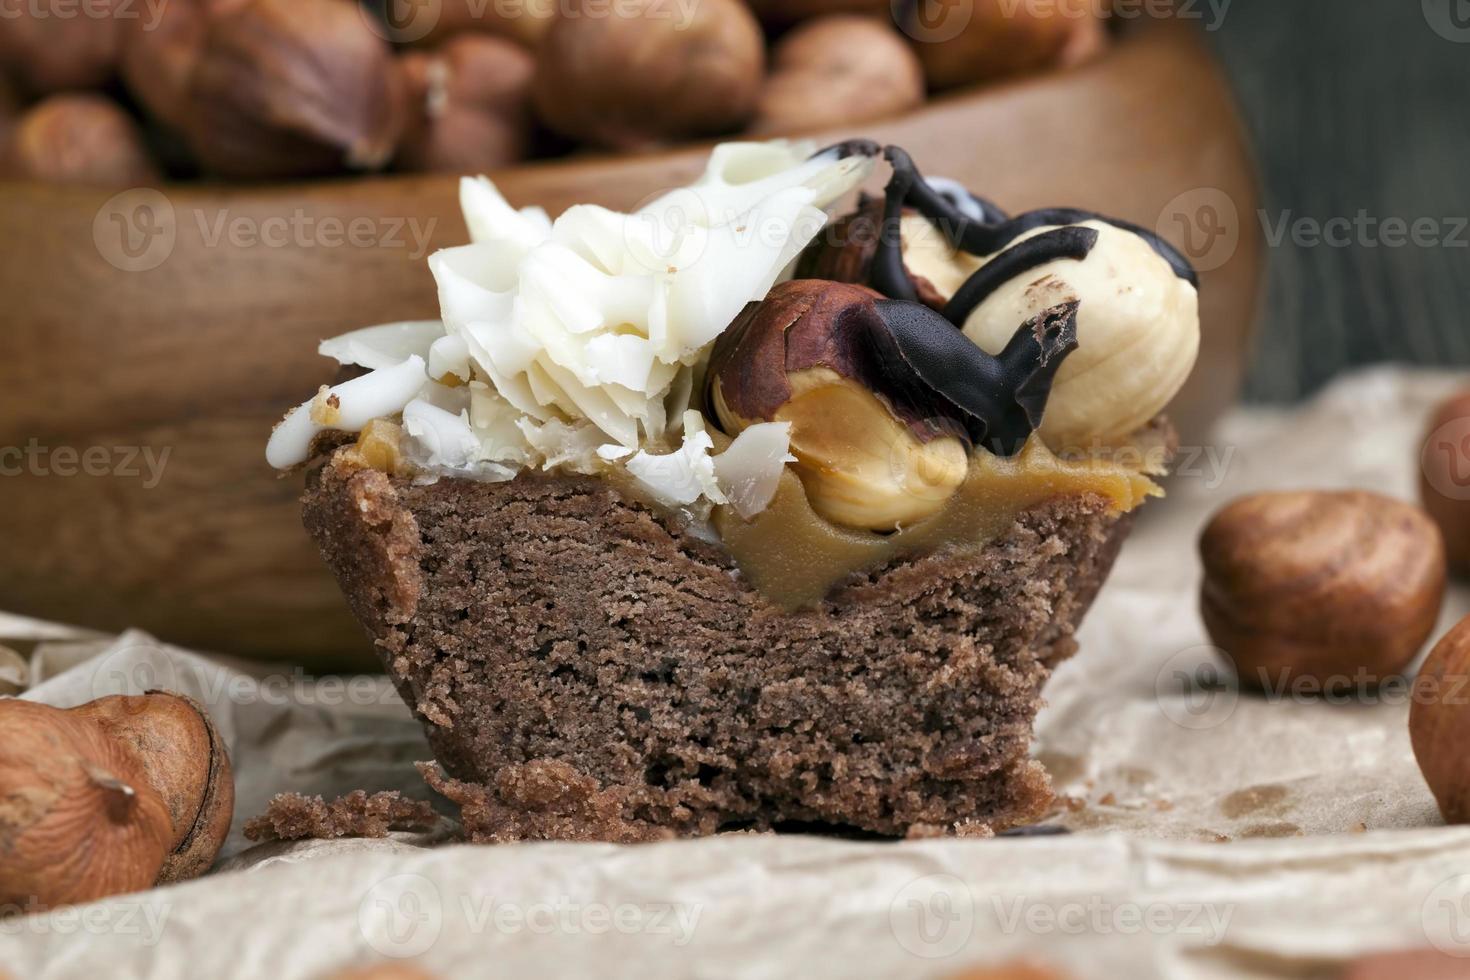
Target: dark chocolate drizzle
x=1000, y=398
x=1070, y=242
x=993, y=233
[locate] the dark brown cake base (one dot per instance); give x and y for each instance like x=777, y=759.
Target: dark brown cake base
x=586, y=670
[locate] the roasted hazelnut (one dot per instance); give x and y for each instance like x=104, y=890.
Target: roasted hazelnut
x=884, y=398
x=1326, y=586
x=1444, y=476
x=78, y=139
x=1000, y=39
x=47, y=49
x=1416, y=964
x=782, y=13
x=868, y=456
x=835, y=71
x=523, y=21
x=110, y=797
x=1439, y=722
x=159, y=54
x=649, y=71
x=287, y=88
x=469, y=106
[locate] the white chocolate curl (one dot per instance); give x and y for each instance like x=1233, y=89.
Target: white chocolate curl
x=571, y=343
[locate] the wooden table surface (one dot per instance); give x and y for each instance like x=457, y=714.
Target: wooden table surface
x=1357, y=108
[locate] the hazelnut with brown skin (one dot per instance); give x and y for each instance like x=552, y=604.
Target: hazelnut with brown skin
x=783, y=13
x=636, y=74
x=1002, y=39
x=469, y=106
x=1439, y=722
x=110, y=797
x=78, y=139
x=868, y=456
x=158, y=54
x=522, y=21
x=293, y=88
x=884, y=398
x=1444, y=476
x=1328, y=586
x=46, y=52
x=835, y=71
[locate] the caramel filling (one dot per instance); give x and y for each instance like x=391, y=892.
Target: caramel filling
x=794, y=557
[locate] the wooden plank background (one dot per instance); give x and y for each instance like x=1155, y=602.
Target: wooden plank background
x=1356, y=106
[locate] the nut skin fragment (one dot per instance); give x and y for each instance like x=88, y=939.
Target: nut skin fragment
x=1333, y=587
x=638, y=75
x=1445, y=465
x=1439, y=722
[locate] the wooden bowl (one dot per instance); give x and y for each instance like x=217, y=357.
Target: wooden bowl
x=195, y=332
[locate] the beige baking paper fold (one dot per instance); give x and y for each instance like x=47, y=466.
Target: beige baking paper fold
x=1334, y=845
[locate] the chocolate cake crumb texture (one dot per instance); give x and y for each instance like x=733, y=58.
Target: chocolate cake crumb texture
x=587, y=670
x=291, y=816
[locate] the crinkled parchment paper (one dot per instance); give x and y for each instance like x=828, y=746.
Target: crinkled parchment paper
x=1217, y=834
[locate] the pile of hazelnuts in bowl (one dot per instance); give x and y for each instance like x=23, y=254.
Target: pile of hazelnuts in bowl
x=1321, y=592
x=122, y=94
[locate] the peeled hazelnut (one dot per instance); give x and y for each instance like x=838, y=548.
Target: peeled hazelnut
x=78, y=139
x=884, y=398
x=1439, y=722
x=111, y=797
x=1000, y=39
x=1318, y=585
x=1444, y=476
x=288, y=88
x=649, y=71
x=469, y=106
x=49, y=49
x=868, y=456
x=838, y=70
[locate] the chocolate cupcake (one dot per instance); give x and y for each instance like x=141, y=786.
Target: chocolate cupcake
x=658, y=540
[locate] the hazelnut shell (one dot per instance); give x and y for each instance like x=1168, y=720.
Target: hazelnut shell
x=184, y=759
x=835, y=71
x=1320, y=585
x=637, y=75
x=1001, y=39
x=78, y=819
x=469, y=106
x=78, y=139
x=1444, y=476
x=46, y=52
x=1439, y=722
x=287, y=88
